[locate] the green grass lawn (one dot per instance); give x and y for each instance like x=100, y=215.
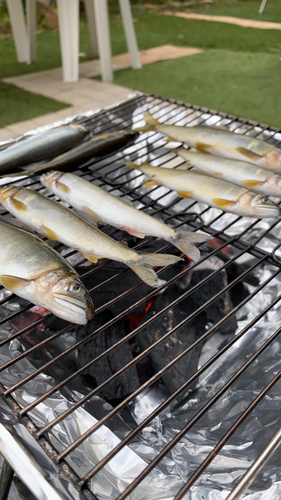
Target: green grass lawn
x=246, y=10
x=239, y=72
x=241, y=83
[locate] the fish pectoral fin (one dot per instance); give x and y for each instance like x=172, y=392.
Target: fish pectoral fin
x=19, y=205
x=149, y=184
x=222, y=203
x=63, y=187
x=185, y=194
x=92, y=214
x=249, y=154
x=51, y=235
x=134, y=233
x=201, y=146
x=251, y=183
x=13, y=283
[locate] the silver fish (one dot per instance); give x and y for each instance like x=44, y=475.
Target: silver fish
x=40, y=146
x=220, y=142
x=242, y=173
x=34, y=271
x=56, y=222
x=206, y=189
x=105, y=208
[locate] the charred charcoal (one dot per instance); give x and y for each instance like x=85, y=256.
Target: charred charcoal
x=117, y=359
x=179, y=340
x=223, y=305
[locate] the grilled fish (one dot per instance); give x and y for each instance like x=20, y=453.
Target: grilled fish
x=104, y=143
x=105, y=208
x=56, y=222
x=33, y=270
x=242, y=173
x=220, y=142
x=206, y=189
x=40, y=146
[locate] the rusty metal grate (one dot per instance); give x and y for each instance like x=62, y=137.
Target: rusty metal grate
x=111, y=173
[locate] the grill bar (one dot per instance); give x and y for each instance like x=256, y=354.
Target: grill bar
x=256, y=467
x=169, y=400
x=110, y=173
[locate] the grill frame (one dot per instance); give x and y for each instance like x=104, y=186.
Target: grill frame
x=258, y=253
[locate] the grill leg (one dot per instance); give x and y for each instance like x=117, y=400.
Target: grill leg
x=6, y=478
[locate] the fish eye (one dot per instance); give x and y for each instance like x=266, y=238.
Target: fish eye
x=75, y=288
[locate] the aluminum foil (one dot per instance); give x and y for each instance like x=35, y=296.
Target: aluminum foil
x=171, y=474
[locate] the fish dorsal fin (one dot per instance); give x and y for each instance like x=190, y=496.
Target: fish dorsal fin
x=13, y=283
x=248, y=154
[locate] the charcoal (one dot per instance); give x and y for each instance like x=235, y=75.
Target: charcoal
x=174, y=345
x=222, y=306
x=107, y=366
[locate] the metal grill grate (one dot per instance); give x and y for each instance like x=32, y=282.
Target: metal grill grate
x=110, y=173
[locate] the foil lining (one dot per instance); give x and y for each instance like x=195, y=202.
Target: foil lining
x=171, y=474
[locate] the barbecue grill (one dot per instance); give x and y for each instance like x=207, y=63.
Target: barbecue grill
x=167, y=393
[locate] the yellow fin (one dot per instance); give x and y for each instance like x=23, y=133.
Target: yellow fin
x=222, y=203
x=216, y=174
x=249, y=154
x=149, y=184
x=93, y=214
x=149, y=119
x=19, y=205
x=201, y=146
x=13, y=282
x=63, y=187
x=252, y=183
x=185, y=194
x=137, y=235
x=92, y=258
x=132, y=165
x=49, y=233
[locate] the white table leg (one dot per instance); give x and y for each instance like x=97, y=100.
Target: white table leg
x=103, y=36
x=130, y=33
x=68, y=17
x=90, y=13
x=16, y=14
x=262, y=6
x=31, y=28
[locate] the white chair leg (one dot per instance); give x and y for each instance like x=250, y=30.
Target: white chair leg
x=262, y=6
x=68, y=17
x=31, y=28
x=90, y=13
x=130, y=33
x=16, y=14
x=103, y=36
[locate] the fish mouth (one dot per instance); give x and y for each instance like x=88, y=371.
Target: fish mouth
x=51, y=177
x=75, y=310
x=8, y=191
x=269, y=210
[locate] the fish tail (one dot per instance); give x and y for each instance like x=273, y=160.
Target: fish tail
x=144, y=267
x=185, y=240
x=150, y=123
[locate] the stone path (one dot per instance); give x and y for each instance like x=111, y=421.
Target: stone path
x=246, y=23
x=86, y=94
